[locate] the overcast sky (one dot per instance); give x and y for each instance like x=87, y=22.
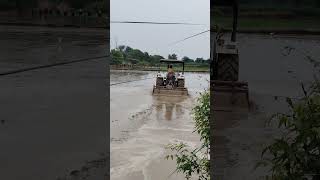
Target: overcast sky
x=155, y=39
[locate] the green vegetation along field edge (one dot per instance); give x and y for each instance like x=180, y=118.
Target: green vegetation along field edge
x=295, y=153
x=125, y=57
x=23, y=5
x=195, y=162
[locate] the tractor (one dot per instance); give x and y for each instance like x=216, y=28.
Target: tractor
x=170, y=83
x=225, y=84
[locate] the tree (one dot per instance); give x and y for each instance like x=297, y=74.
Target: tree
x=116, y=56
x=128, y=49
x=187, y=59
x=136, y=54
x=122, y=48
x=172, y=56
x=79, y=4
x=317, y=2
x=199, y=60
x=155, y=59
x=7, y=4
x=146, y=57
x=20, y=5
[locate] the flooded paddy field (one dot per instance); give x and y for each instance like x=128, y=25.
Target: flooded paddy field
x=272, y=75
x=142, y=124
x=54, y=119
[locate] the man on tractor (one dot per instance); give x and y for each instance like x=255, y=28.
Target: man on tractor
x=170, y=75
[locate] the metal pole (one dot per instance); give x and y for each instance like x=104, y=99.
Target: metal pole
x=235, y=20
x=183, y=68
x=212, y=63
x=211, y=43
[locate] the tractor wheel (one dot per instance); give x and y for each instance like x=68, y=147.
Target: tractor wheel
x=159, y=81
x=181, y=83
x=228, y=67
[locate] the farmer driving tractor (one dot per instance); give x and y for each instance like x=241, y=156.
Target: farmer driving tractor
x=170, y=75
x=170, y=83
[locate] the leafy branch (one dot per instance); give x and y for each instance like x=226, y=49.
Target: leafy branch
x=296, y=154
x=196, y=161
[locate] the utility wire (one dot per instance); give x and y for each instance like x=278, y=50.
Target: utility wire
x=150, y=22
x=94, y=58
x=189, y=37
x=50, y=65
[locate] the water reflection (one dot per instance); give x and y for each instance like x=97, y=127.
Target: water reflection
x=169, y=108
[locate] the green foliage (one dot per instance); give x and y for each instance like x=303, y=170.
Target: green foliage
x=7, y=4
x=20, y=4
x=136, y=56
x=201, y=117
x=187, y=59
x=116, y=56
x=200, y=60
x=99, y=5
x=296, y=153
x=195, y=162
x=172, y=56
x=96, y=6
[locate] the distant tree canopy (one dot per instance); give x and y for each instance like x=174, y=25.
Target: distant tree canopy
x=172, y=56
x=277, y=2
x=6, y=4
x=273, y=3
x=200, y=60
x=127, y=55
x=17, y=4
x=102, y=5
x=187, y=59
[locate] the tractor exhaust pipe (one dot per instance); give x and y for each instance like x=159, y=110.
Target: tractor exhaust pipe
x=235, y=21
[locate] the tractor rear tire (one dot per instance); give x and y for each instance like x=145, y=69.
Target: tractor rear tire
x=159, y=81
x=181, y=83
x=228, y=67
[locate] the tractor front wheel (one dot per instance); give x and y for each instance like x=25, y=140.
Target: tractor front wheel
x=159, y=81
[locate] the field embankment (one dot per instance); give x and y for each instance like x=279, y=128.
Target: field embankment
x=188, y=68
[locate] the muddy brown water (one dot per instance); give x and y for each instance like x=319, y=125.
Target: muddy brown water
x=57, y=105
x=143, y=124
x=55, y=118
x=272, y=75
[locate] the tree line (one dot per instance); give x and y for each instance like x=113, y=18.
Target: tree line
x=272, y=3
x=290, y=3
x=76, y=4
x=128, y=55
